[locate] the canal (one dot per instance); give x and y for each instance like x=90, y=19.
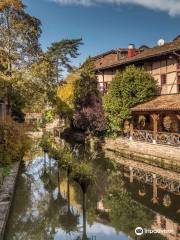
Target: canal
x=49, y=205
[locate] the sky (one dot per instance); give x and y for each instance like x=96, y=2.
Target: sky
x=106, y=24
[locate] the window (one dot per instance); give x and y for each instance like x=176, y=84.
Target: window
x=178, y=83
x=178, y=79
x=163, y=79
x=178, y=64
x=122, y=55
x=103, y=87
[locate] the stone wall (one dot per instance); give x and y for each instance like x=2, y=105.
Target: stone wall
x=164, y=156
x=6, y=196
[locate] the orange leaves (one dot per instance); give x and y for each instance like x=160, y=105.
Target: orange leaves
x=15, y=4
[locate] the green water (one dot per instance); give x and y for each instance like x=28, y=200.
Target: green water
x=47, y=205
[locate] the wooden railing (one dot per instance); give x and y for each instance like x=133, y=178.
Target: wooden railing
x=161, y=137
x=142, y=135
x=168, y=138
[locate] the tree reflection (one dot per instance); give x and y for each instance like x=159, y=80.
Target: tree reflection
x=68, y=219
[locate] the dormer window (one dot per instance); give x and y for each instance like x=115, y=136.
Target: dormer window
x=122, y=55
x=163, y=79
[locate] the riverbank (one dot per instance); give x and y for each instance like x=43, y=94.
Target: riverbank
x=6, y=196
x=163, y=156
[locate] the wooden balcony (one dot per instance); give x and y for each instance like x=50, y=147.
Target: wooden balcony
x=165, y=138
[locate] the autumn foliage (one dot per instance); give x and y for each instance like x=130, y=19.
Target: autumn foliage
x=89, y=114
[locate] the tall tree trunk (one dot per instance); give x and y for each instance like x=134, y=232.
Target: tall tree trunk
x=68, y=193
x=84, y=216
x=9, y=41
x=59, y=191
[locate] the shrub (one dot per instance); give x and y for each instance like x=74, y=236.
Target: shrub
x=13, y=141
x=49, y=115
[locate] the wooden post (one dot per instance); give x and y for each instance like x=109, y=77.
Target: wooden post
x=178, y=117
x=155, y=118
x=131, y=174
x=131, y=129
x=155, y=197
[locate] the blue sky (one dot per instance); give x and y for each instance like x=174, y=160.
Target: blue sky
x=106, y=24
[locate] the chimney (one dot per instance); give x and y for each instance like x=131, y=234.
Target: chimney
x=131, y=50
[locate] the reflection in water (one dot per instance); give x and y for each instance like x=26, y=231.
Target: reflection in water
x=49, y=205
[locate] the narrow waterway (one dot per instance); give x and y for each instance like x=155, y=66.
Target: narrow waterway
x=48, y=205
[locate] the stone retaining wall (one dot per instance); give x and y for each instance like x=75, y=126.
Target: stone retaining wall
x=6, y=196
x=164, y=156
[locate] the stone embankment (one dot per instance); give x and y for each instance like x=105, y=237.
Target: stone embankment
x=164, y=156
x=6, y=196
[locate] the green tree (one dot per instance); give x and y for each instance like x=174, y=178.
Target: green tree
x=131, y=87
x=47, y=70
x=19, y=33
x=60, y=54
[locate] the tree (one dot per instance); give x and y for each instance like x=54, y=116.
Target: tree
x=19, y=33
x=47, y=70
x=89, y=114
x=65, y=96
x=131, y=87
x=60, y=54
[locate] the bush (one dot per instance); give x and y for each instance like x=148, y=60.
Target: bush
x=49, y=115
x=13, y=141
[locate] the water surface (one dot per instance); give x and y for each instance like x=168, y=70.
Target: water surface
x=48, y=205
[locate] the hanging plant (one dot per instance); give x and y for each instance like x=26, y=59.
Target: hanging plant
x=167, y=122
x=167, y=200
x=142, y=121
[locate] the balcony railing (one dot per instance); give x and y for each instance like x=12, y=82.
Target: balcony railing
x=168, y=138
x=161, y=137
x=143, y=135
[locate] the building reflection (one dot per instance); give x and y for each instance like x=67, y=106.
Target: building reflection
x=160, y=194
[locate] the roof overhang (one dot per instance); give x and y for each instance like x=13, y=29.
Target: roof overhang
x=160, y=104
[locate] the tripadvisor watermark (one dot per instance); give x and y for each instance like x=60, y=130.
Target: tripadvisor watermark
x=140, y=231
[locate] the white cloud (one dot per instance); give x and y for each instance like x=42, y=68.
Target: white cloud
x=170, y=6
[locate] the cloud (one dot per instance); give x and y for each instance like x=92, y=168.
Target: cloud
x=170, y=6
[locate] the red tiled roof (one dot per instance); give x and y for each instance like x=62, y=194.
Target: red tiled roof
x=104, y=54
x=160, y=103
x=146, y=54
